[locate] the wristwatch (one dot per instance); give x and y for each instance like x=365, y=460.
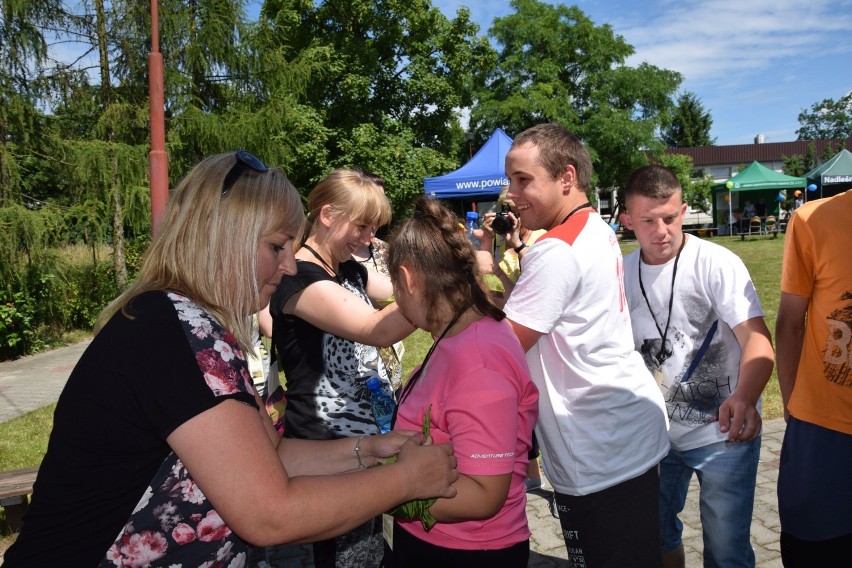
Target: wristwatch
x=520, y=247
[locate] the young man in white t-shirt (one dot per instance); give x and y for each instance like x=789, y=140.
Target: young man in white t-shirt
x=602, y=421
x=698, y=323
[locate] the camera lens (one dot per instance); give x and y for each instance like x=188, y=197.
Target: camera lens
x=501, y=223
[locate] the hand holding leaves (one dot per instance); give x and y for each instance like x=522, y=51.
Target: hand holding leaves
x=418, y=508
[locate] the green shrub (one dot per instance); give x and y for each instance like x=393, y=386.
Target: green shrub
x=91, y=287
x=17, y=330
x=64, y=291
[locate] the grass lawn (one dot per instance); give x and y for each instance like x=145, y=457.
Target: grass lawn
x=23, y=441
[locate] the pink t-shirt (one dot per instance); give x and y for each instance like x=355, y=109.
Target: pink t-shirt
x=485, y=404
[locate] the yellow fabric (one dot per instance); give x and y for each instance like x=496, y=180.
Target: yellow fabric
x=509, y=261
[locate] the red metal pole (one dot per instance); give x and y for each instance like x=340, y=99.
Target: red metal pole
x=157, y=159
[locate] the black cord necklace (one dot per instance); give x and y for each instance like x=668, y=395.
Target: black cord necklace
x=664, y=352
x=322, y=261
x=583, y=206
x=406, y=390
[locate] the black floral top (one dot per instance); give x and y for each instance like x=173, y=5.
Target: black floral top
x=108, y=470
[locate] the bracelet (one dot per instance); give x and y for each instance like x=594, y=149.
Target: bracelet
x=520, y=247
x=358, y=451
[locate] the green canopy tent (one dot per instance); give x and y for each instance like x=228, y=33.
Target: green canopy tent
x=832, y=176
x=756, y=178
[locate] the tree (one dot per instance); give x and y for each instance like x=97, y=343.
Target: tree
x=797, y=165
x=23, y=53
x=387, y=60
x=389, y=150
x=697, y=191
x=690, y=125
x=828, y=119
x=555, y=65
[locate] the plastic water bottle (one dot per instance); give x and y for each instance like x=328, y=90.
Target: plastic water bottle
x=381, y=403
x=471, y=223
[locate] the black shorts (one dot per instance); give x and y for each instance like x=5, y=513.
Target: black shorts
x=615, y=527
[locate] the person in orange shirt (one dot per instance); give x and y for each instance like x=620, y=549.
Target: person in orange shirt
x=813, y=335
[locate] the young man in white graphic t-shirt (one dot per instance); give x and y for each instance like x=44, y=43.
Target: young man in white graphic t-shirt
x=698, y=323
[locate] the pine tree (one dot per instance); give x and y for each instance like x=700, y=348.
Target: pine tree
x=690, y=124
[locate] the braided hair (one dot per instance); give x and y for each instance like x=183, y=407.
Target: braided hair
x=432, y=244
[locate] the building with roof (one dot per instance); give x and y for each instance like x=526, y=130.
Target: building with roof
x=723, y=162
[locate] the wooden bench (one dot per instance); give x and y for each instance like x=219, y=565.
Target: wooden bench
x=15, y=488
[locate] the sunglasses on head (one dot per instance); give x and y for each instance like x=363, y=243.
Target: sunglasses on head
x=244, y=160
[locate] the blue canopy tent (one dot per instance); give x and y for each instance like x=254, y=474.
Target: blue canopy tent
x=481, y=178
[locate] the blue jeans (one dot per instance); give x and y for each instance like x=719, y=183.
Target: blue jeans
x=727, y=472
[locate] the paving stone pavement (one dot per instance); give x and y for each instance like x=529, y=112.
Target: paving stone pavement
x=35, y=381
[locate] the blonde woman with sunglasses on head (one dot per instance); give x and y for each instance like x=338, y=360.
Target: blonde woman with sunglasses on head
x=161, y=452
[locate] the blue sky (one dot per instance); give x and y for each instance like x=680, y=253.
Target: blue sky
x=755, y=64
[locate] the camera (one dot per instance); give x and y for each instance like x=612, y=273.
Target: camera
x=502, y=223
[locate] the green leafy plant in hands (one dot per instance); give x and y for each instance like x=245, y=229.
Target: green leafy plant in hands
x=418, y=508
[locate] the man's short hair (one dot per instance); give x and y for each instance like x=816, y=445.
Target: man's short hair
x=654, y=181
x=558, y=149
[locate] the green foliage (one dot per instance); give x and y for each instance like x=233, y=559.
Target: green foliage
x=391, y=153
x=32, y=308
x=697, y=192
x=797, y=165
x=91, y=287
x=41, y=301
x=397, y=62
x=418, y=508
x=25, y=239
x=22, y=44
x=17, y=332
x=690, y=124
x=827, y=120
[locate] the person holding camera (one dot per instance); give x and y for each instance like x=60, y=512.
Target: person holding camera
x=505, y=241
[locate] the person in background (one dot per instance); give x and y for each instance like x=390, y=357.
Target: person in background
x=503, y=253
x=760, y=208
x=748, y=211
x=813, y=334
x=505, y=264
x=161, y=452
x=698, y=323
x=602, y=420
x=798, y=200
x=258, y=358
x=735, y=220
x=326, y=334
x=373, y=256
x=373, y=253
x=475, y=385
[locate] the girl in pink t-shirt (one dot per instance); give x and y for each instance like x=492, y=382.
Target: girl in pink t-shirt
x=476, y=386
